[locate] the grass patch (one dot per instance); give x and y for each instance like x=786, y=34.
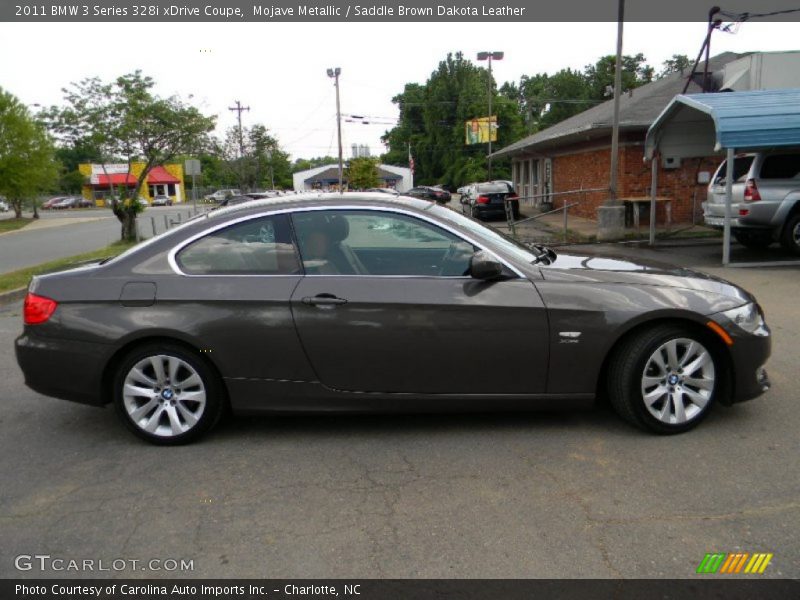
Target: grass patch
x=21, y=277
x=7, y=225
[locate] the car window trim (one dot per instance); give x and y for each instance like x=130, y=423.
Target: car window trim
x=173, y=263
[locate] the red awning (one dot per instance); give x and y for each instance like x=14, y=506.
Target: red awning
x=160, y=175
x=116, y=179
x=157, y=175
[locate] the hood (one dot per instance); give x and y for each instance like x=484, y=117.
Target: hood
x=590, y=269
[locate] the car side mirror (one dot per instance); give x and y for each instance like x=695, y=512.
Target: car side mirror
x=484, y=267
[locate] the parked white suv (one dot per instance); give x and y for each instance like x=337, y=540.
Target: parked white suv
x=766, y=199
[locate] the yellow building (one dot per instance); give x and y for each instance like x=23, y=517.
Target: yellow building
x=104, y=180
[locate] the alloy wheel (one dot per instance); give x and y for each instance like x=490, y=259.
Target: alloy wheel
x=164, y=395
x=678, y=381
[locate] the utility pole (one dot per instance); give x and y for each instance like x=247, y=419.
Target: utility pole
x=611, y=215
x=239, y=110
x=335, y=74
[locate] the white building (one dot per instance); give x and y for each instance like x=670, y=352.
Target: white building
x=327, y=176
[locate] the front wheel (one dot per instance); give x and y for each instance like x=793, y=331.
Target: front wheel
x=664, y=379
x=790, y=237
x=166, y=394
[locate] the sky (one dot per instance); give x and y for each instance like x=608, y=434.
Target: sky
x=279, y=69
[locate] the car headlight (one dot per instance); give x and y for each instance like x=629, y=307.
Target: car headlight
x=749, y=318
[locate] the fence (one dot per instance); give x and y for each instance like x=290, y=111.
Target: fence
x=158, y=224
x=531, y=202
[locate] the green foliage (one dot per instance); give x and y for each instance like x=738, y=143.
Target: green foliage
x=304, y=164
x=677, y=64
x=362, y=173
x=433, y=117
x=125, y=118
x=27, y=165
x=600, y=76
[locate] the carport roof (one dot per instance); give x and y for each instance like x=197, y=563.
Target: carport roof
x=741, y=120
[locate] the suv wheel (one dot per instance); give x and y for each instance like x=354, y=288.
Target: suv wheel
x=790, y=238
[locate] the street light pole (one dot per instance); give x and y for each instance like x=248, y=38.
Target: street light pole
x=489, y=56
x=335, y=74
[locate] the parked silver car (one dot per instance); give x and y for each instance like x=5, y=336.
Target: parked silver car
x=766, y=199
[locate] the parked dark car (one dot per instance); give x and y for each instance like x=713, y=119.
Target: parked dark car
x=429, y=193
x=368, y=303
x=486, y=200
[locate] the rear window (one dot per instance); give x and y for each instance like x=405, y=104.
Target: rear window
x=781, y=166
x=493, y=188
x=741, y=166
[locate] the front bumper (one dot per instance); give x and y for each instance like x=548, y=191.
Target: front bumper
x=749, y=354
x=63, y=369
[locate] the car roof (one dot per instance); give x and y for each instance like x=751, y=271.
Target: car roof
x=322, y=200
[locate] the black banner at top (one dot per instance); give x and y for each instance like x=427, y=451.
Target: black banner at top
x=240, y=11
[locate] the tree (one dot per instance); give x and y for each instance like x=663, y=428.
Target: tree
x=362, y=173
x=433, y=117
x=126, y=119
x=677, y=64
x=27, y=164
x=600, y=76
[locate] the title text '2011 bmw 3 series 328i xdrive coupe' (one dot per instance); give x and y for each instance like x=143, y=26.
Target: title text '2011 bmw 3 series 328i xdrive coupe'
x=370, y=303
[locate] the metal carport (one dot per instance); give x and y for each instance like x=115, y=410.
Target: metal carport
x=696, y=125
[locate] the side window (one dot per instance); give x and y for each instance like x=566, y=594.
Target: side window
x=781, y=166
x=261, y=246
x=352, y=242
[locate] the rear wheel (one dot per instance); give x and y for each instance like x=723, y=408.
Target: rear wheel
x=166, y=394
x=756, y=240
x=790, y=237
x=476, y=214
x=664, y=379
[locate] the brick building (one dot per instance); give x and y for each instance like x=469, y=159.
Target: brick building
x=576, y=153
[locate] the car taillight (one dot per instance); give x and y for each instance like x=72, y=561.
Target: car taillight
x=38, y=309
x=751, y=191
x=482, y=200
x=512, y=196
x=743, y=212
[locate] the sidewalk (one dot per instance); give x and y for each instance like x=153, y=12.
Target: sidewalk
x=550, y=229
x=38, y=224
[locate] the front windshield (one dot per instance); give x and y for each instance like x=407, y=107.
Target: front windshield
x=505, y=242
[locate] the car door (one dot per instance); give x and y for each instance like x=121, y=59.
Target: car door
x=235, y=297
x=392, y=308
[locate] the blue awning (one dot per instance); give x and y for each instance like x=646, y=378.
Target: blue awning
x=739, y=120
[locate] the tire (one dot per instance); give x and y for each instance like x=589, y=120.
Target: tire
x=476, y=214
x=515, y=211
x=755, y=240
x=160, y=411
x=649, y=386
x=790, y=236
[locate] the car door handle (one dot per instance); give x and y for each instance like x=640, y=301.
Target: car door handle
x=323, y=300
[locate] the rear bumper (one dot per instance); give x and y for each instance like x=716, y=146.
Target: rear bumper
x=63, y=369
